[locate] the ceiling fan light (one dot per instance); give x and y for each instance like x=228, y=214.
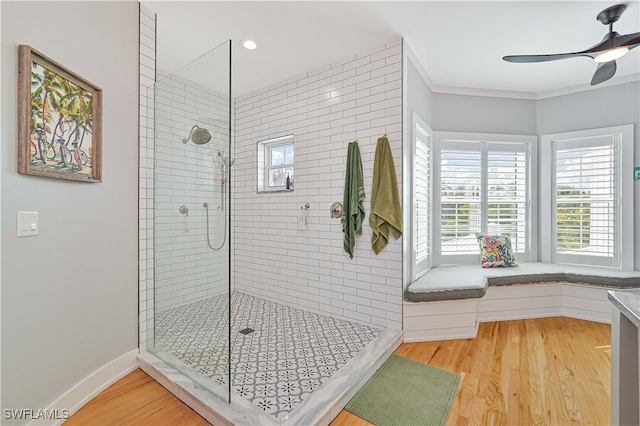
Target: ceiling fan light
x=611, y=54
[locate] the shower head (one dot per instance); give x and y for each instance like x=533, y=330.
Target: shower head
x=198, y=135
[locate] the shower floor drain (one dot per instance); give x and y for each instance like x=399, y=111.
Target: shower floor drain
x=246, y=331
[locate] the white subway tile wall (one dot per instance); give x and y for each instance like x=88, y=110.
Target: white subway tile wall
x=275, y=257
x=187, y=269
x=147, y=79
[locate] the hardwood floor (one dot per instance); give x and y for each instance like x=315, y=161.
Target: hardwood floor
x=539, y=371
x=547, y=371
x=136, y=399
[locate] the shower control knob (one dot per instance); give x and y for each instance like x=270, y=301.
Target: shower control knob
x=336, y=210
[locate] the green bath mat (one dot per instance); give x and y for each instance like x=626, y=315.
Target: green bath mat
x=406, y=393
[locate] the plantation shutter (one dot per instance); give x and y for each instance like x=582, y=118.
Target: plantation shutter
x=484, y=188
x=460, y=202
x=422, y=196
x=585, y=192
x=507, y=192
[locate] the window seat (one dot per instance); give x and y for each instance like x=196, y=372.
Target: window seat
x=453, y=282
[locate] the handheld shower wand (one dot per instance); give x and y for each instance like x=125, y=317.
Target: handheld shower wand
x=227, y=162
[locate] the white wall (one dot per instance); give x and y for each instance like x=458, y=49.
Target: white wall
x=482, y=114
x=145, y=181
x=418, y=100
x=419, y=95
x=608, y=106
x=186, y=268
x=69, y=295
x=359, y=97
x=1, y=167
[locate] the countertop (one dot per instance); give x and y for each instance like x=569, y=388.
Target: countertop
x=627, y=302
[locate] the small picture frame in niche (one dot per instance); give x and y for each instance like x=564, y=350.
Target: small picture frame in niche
x=59, y=120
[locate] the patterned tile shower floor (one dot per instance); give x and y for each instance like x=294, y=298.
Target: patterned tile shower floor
x=290, y=354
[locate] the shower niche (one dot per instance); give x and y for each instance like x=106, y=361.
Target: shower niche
x=189, y=317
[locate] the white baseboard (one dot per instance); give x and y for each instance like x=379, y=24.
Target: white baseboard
x=92, y=385
x=587, y=315
x=520, y=315
x=441, y=334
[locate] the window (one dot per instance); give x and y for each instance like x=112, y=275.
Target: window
x=483, y=185
x=589, y=217
x=421, y=189
x=275, y=164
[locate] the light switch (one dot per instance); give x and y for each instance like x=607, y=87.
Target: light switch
x=27, y=224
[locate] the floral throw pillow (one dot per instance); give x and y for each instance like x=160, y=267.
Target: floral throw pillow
x=495, y=250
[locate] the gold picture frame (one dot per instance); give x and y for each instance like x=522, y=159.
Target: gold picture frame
x=59, y=120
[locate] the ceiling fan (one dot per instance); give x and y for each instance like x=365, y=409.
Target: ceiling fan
x=613, y=46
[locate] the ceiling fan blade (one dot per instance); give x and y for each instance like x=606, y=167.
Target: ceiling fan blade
x=604, y=72
x=541, y=58
x=629, y=40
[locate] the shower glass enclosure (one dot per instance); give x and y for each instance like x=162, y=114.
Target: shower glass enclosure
x=189, y=313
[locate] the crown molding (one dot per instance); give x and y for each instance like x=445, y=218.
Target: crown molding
x=468, y=91
x=587, y=87
x=491, y=93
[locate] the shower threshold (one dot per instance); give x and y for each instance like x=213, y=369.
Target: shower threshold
x=320, y=407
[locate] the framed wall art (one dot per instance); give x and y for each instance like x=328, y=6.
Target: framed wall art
x=59, y=120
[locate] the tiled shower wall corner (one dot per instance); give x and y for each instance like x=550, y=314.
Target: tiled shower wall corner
x=359, y=98
x=147, y=79
x=187, y=269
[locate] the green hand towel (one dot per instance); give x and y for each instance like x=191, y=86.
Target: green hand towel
x=352, y=209
x=386, y=210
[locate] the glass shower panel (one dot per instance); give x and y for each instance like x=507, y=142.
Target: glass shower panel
x=189, y=325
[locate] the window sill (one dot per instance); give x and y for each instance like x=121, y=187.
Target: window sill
x=273, y=191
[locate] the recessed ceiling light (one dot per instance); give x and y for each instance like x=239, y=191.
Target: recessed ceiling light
x=248, y=44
